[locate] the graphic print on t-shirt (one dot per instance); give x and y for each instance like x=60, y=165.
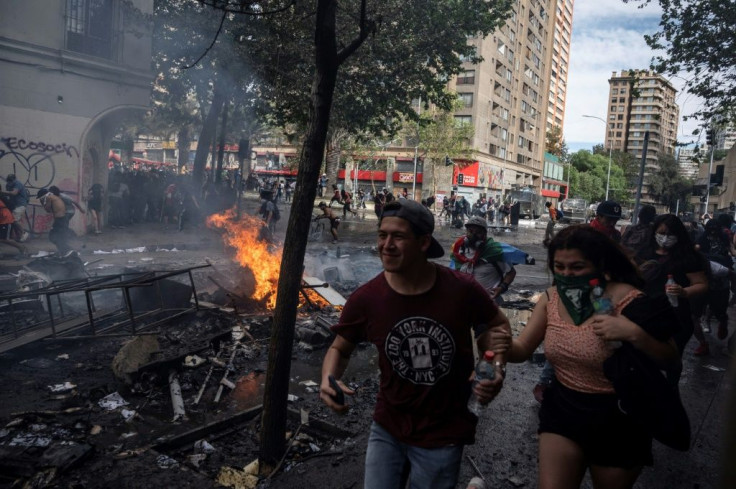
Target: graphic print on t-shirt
x=420, y=350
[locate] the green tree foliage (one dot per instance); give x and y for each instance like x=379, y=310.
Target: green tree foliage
x=589, y=174
x=666, y=184
x=698, y=39
x=413, y=53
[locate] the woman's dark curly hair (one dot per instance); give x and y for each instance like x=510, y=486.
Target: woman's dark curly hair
x=606, y=255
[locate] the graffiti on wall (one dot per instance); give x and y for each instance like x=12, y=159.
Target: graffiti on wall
x=32, y=162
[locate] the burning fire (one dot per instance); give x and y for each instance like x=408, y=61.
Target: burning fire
x=252, y=252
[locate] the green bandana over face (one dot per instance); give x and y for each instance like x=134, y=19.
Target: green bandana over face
x=574, y=293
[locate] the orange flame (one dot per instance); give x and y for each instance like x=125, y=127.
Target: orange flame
x=251, y=252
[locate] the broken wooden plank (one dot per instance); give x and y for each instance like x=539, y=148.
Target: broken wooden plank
x=327, y=293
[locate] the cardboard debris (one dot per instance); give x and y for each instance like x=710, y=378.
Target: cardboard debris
x=65, y=387
x=230, y=477
x=112, y=401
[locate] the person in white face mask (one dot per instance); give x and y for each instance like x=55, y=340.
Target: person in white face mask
x=670, y=251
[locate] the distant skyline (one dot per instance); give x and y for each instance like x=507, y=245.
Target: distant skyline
x=608, y=36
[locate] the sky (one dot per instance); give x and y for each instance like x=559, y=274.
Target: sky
x=608, y=36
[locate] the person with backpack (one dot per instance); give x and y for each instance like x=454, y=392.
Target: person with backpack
x=18, y=200
x=549, y=231
x=634, y=237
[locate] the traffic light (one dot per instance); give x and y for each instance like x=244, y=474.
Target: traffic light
x=460, y=178
x=448, y=161
x=710, y=137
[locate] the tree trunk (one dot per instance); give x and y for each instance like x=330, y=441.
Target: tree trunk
x=221, y=149
x=332, y=161
x=207, y=134
x=182, y=143
x=273, y=429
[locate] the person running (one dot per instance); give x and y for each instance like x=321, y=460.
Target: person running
x=336, y=195
x=6, y=223
x=549, y=231
x=52, y=203
x=634, y=237
x=347, y=201
x=18, y=200
x=479, y=255
x=669, y=251
x=334, y=220
x=580, y=424
x=607, y=215
x=95, y=197
x=416, y=313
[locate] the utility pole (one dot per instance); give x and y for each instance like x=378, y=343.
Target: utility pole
x=641, y=177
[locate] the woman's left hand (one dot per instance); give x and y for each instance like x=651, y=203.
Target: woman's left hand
x=612, y=328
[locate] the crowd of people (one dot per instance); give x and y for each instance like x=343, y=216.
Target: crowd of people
x=615, y=322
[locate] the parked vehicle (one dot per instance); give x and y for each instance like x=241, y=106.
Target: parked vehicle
x=576, y=211
x=531, y=204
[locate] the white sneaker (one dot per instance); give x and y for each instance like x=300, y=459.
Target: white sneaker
x=24, y=237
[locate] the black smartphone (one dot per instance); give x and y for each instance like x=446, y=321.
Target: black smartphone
x=340, y=396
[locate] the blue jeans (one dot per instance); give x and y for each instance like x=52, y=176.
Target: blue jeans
x=431, y=468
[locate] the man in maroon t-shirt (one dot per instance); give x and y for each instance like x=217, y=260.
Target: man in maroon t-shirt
x=425, y=351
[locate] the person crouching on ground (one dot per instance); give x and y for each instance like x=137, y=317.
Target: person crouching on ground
x=580, y=424
x=52, y=203
x=482, y=257
x=425, y=349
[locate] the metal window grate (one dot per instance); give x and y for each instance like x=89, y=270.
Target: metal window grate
x=89, y=27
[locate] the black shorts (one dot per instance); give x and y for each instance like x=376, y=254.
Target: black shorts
x=334, y=223
x=94, y=205
x=608, y=437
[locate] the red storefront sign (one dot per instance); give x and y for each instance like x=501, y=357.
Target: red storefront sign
x=469, y=174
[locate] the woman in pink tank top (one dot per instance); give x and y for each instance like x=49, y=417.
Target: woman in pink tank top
x=581, y=427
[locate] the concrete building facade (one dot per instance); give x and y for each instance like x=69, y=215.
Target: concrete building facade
x=514, y=95
x=641, y=101
x=70, y=71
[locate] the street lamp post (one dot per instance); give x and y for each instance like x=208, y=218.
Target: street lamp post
x=610, y=150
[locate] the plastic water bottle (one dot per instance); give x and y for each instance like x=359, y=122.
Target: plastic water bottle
x=602, y=304
x=671, y=297
x=484, y=370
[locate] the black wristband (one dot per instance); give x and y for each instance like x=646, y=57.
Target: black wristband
x=504, y=286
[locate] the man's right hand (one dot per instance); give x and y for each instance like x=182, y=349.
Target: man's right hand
x=327, y=394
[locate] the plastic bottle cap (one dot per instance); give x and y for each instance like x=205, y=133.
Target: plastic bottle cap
x=488, y=355
x=593, y=282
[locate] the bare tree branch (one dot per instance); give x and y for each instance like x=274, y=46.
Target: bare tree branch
x=367, y=27
x=217, y=34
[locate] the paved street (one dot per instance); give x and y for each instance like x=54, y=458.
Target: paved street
x=506, y=449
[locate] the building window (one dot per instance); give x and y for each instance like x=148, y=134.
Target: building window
x=466, y=78
x=462, y=120
x=89, y=27
x=467, y=99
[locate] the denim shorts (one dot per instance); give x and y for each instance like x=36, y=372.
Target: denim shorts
x=429, y=468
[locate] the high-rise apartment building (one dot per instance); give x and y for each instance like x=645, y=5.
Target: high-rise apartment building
x=515, y=94
x=641, y=101
x=559, y=62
